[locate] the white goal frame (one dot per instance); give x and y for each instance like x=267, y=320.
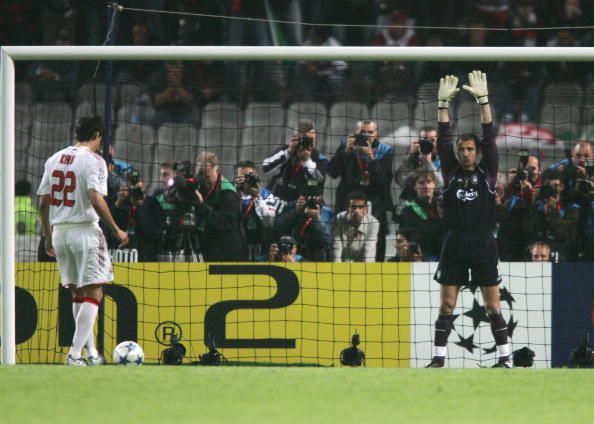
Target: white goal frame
x=9, y=54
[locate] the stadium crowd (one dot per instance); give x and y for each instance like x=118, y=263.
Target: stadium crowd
x=542, y=214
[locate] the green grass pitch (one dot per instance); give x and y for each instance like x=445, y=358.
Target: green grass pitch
x=160, y=394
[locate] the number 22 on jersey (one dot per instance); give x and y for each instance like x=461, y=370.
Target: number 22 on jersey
x=66, y=184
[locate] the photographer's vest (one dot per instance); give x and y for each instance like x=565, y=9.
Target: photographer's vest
x=213, y=198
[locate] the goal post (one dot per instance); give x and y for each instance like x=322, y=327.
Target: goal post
x=10, y=54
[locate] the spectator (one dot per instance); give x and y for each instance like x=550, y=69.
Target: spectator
x=355, y=231
x=320, y=80
x=258, y=207
x=25, y=212
x=174, y=100
x=55, y=81
x=399, y=32
x=304, y=224
x=407, y=249
x=219, y=213
x=297, y=165
x=540, y=252
x=422, y=157
x=424, y=215
x=364, y=164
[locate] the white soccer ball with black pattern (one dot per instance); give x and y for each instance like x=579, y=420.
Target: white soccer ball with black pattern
x=128, y=353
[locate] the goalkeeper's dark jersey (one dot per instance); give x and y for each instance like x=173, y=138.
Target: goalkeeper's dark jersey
x=468, y=196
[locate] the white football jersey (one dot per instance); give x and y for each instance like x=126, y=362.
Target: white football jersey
x=67, y=176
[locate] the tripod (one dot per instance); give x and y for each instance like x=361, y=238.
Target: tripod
x=183, y=238
x=187, y=240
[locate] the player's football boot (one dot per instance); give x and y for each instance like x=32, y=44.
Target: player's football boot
x=94, y=361
x=436, y=362
x=77, y=362
x=503, y=363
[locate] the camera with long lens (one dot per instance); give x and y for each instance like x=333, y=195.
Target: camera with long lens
x=425, y=146
x=134, y=178
x=286, y=245
x=312, y=203
x=251, y=180
x=547, y=191
x=306, y=142
x=361, y=140
x=522, y=173
x=182, y=187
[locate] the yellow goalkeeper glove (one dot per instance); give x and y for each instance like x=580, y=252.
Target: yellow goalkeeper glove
x=478, y=87
x=447, y=91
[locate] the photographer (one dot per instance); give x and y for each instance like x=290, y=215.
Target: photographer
x=258, y=207
x=407, y=248
x=304, y=224
x=218, y=210
x=285, y=250
x=355, y=231
x=515, y=209
x=556, y=221
x=525, y=179
x=297, y=164
x=365, y=165
x=422, y=156
x=573, y=167
x=424, y=215
x=138, y=215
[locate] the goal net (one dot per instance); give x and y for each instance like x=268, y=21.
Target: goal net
x=162, y=110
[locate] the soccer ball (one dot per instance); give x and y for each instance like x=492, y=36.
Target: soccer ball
x=128, y=353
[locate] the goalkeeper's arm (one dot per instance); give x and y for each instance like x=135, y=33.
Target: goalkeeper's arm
x=479, y=89
x=448, y=88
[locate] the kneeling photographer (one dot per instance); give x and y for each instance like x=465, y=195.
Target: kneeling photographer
x=218, y=211
x=139, y=216
x=284, y=250
x=304, y=224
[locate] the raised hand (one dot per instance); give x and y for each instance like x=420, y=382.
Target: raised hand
x=448, y=88
x=478, y=86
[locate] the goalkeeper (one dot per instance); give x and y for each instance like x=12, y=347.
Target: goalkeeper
x=469, y=214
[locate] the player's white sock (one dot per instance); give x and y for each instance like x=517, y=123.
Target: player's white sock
x=90, y=343
x=503, y=351
x=85, y=321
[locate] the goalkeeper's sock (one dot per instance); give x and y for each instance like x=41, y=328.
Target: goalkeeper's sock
x=90, y=343
x=443, y=328
x=499, y=330
x=85, y=320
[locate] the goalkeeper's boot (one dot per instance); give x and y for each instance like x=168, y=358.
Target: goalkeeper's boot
x=436, y=362
x=77, y=362
x=94, y=361
x=503, y=362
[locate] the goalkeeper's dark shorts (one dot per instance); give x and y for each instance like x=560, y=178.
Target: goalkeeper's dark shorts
x=468, y=259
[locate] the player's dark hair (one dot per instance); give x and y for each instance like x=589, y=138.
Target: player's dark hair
x=88, y=128
x=467, y=137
